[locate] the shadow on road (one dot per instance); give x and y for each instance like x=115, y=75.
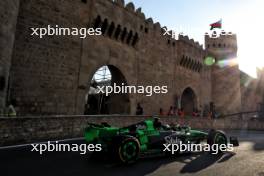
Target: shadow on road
x=30, y=163
x=72, y=163
x=205, y=160
x=142, y=167
x=194, y=162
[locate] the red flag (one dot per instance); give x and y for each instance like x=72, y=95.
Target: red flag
x=217, y=24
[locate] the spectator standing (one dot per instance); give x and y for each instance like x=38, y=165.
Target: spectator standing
x=161, y=113
x=139, y=110
x=181, y=112
x=170, y=112
x=195, y=112
x=11, y=111
x=175, y=111
x=181, y=115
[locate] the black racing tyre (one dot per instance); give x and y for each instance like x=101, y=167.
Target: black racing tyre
x=210, y=137
x=216, y=137
x=128, y=150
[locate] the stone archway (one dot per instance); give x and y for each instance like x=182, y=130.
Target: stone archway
x=188, y=101
x=99, y=103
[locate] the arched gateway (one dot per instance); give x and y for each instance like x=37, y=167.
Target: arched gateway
x=98, y=102
x=188, y=101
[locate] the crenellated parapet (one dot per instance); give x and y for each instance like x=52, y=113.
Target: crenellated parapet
x=135, y=26
x=189, y=41
x=220, y=40
x=130, y=7
x=125, y=32
x=120, y=2
x=138, y=12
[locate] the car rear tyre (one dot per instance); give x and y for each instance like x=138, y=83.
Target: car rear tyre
x=128, y=150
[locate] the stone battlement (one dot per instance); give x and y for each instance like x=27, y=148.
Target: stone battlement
x=129, y=6
x=220, y=40
x=156, y=26
x=222, y=34
x=186, y=39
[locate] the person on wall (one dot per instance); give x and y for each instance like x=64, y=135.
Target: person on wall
x=181, y=112
x=181, y=116
x=195, y=112
x=170, y=112
x=161, y=113
x=139, y=110
x=11, y=111
x=175, y=111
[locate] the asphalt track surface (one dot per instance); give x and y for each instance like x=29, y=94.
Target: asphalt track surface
x=246, y=160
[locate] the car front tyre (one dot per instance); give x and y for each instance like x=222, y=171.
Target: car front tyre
x=216, y=137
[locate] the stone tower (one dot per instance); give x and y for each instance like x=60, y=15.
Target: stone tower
x=8, y=19
x=226, y=94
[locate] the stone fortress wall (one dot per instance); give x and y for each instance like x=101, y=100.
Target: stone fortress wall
x=52, y=75
x=226, y=82
x=8, y=20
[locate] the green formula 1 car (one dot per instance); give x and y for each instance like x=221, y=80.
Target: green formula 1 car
x=148, y=137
